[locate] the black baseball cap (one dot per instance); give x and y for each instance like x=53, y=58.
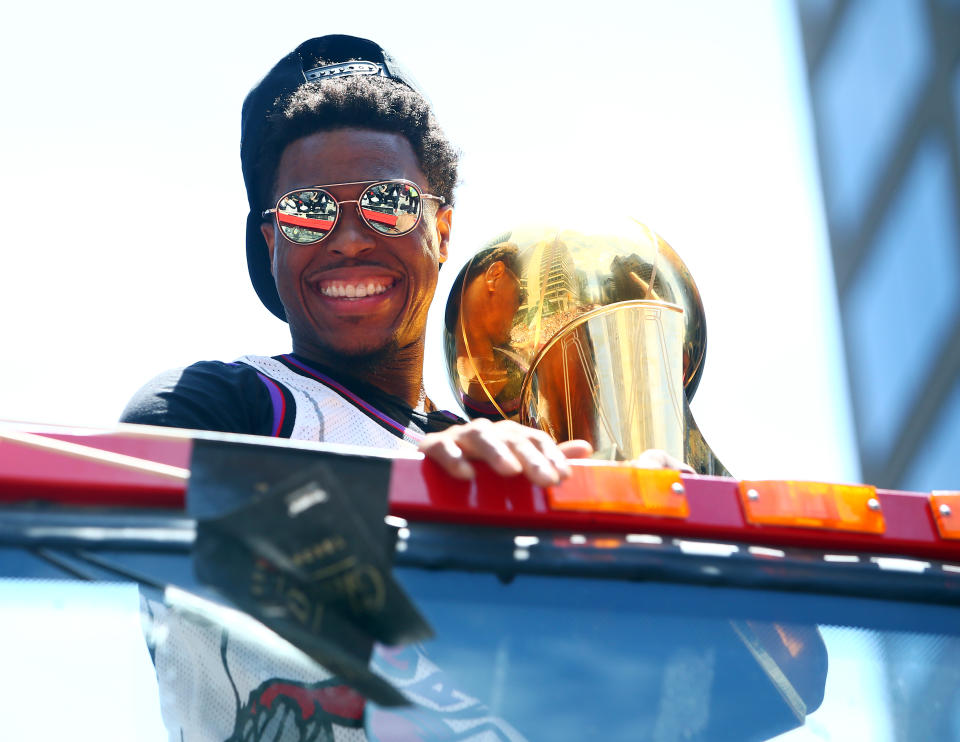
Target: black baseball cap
x=315, y=60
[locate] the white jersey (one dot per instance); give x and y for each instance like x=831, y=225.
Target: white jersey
x=322, y=413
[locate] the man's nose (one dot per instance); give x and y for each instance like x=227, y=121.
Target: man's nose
x=351, y=237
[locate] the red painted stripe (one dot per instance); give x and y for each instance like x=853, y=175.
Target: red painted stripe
x=421, y=491
x=28, y=473
x=379, y=216
x=321, y=225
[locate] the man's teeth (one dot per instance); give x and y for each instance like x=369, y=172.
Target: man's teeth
x=354, y=290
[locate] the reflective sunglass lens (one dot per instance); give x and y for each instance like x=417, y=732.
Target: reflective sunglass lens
x=306, y=216
x=391, y=208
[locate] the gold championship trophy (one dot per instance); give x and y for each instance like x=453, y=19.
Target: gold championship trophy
x=593, y=336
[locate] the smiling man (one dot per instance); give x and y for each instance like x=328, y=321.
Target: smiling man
x=350, y=183
x=356, y=281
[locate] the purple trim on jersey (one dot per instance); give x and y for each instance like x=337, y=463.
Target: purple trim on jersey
x=278, y=402
x=373, y=411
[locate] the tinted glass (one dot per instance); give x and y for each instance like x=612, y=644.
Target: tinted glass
x=306, y=216
x=634, y=661
x=529, y=657
x=392, y=207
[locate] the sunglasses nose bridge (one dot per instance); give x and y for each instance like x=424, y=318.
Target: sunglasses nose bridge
x=351, y=236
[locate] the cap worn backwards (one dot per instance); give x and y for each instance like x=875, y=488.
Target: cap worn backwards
x=315, y=60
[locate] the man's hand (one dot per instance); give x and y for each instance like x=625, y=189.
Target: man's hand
x=507, y=447
x=654, y=458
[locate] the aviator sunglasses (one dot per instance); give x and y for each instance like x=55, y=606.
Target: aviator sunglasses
x=389, y=207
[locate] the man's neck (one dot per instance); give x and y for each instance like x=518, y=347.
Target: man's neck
x=398, y=372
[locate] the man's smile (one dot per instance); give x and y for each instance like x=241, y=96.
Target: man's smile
x=355, y=289
x=342, y=290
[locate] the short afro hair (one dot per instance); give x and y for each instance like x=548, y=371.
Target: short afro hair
x=366, y=102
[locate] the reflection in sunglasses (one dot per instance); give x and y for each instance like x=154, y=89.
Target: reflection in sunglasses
x=390, y=208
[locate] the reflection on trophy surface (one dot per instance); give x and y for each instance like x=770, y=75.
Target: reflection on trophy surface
x=490, y=293
x=594, y=336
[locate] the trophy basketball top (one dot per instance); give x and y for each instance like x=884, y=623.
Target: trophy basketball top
x=527, y=286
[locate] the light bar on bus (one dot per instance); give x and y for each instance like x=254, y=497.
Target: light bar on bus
x=945, y=505
x=607, y=487
x=146, y=467
x=834, y=507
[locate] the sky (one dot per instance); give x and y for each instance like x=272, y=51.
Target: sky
x=119, y=171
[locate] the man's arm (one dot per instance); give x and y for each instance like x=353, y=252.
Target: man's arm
x=209, y=395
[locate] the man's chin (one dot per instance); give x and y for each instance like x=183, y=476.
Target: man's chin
x=357, y=356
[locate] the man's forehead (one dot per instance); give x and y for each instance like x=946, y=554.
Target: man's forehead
x=347, y=155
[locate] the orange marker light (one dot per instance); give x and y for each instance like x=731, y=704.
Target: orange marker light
x=834, y=507
x=606, y=543
x=620, y=488
x=946, y=512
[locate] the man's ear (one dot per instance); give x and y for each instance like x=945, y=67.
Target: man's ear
x=444, y=222
x=493, y=273
x=270, y=236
